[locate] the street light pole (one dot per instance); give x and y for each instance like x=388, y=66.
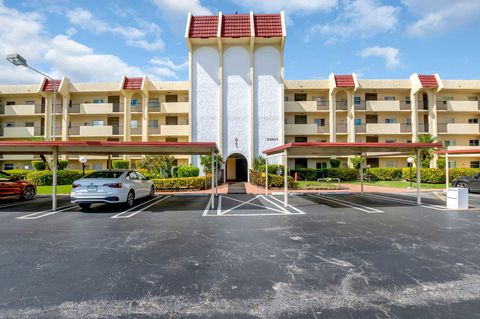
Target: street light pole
x=410, y=161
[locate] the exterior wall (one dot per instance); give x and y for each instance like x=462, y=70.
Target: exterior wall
x=267, y=99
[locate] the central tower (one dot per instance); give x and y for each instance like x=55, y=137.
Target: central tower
x=236, y=78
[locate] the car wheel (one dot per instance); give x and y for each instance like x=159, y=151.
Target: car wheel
x=85, y=205
x=28, y=193
x=462, y=185
x=130, y=199
x=152, y=192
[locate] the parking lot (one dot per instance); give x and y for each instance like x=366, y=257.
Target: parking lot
x=324, y=256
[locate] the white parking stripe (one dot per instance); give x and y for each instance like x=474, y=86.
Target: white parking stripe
x=207, y=208
x=155, y=201
x=292, y=207
x=406, y=201
x=248, y=202
x=219, y=208
x=356, y=206
x=47, y=212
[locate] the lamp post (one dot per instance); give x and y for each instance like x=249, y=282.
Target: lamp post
x=410, y=161
x=17, y=60
x=83, y=161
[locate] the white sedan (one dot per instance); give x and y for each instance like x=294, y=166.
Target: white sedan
x=111, y=186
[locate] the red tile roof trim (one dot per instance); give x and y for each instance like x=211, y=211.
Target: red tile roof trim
x=203, y=27
x=236, y=25
x=132, y=83
x=344, y=81
x=428, y=81
x=267, y=25
x=48, y=85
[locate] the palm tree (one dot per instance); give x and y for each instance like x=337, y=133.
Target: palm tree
x=426, y=154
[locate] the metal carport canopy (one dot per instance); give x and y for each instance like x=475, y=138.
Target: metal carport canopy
x=464, y=151
x=306, y=149
x=55, y=148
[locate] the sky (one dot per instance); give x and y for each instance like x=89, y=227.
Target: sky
x=100, y=41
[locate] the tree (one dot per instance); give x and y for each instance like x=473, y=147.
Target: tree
x=159, y=166
x=206, y=162
x=356, y=161
x=426, y=154
x=257, y=162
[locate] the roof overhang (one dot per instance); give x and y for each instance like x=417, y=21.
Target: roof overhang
x=345, y=149
x=466, y=151
x=107, y=148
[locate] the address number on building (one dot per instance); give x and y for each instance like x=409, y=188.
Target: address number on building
x=272, y=139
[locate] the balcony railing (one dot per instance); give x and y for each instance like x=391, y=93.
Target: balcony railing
x=342, y=105
x=95, y=108
x=341, y=128
x=96, y=130
x=21, y=132
x=360, y=128
x=22, y=109
x=323, y=128
x=458, y=128
x=458, y=106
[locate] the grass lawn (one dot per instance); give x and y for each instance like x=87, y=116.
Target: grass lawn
x=398, y=184
x=47, y=190
x=319, y=185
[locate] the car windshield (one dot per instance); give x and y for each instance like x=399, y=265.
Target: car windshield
x=104, y=174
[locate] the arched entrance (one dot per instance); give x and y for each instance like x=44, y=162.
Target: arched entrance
x=236, y=168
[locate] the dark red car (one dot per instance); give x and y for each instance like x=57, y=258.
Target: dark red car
x=14, y=187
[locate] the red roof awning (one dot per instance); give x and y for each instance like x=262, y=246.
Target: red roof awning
x=344, y=81
x=236, y=25
x=48, y=85
x=428, y=81
x=344, y=149
x=459, y=151
x=132, y=83
x=107, y=148
x=267, y=25
x=203, y=27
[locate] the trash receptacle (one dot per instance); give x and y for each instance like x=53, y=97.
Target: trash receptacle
x=457, y=198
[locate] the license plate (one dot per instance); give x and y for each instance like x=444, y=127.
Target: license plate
x=92, y=188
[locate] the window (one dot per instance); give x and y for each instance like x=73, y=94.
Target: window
x=474, y=164
x=473, y=143
x=452, y=164
x=171, y=120
x=357, y=100
x=285, y=98
x=134, y=124
x=8, y=166
x=29, y=124
x=358, y=121
x=153, y=123
x=300, y=97
x=408, y=121
x=300, y=119
x=321, y=100
x=10, y=102
x=390, y=120
x=409, y=141
x=10, y=124
x=27, y=166
x=301, y=163
x=389, y=98
x=301, y=139
x=171, y=139
x=153, y=103
x=321, y=165
x=134, y=103
x=472, y=121
x=391, y=164
x=98, y=123
x=171, y=98
x=408, y=100
x=98, y=101
x=97, y=166
x=473, y=98
x=132, y=175
x=140, y=176
x=29, y=102
x=447, y=143
x=319, y=122
x=390, y=141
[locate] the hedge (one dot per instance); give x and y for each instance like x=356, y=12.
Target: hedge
x=188, y=171
x=258, y=178
x=192, y=183
x=454, y=173
x=39, y=165
x=44, y=178
x=18, y=173
x=120, y=164
x=272, y=168
x=312, y=174
x=385, y=173
x=427, y=175
x=344, y=173
x=62, y=164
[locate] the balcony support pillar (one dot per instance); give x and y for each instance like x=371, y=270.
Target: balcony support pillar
x=351, y=117
x=145, y=117
x=433, y=121
x=332, y=105
x=414, y=105
x=48, y=117
x=65, y=117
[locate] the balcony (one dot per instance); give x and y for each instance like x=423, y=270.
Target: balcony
x=386, y=106
x=95, y=131
x=175, y=107
x=21, y=109
x=306, y=106
x=304, y=129
x=342, y=105
x=20, y=157
x=20, y=132
x=341, y=128
x=458, y=128
x=174, y=130
x=95, y=108
x=387, y=128
x=458, y=106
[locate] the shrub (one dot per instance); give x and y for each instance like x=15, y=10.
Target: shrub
x=343, y=173
x=311, y=174
x=188, y=171
x=454, y=173
x=356, y=162
x=19, y=173
x=257, y=162
x=441, y=163
x=427, y=175
x=62, y=164
x=120, y=164
x=258, y=178
x=175, y=171
x=385, y=173
x=334, y=162
x=272, y=169
x=193, y=183
x=144, y=172
x=44, y=178
x=39, y=165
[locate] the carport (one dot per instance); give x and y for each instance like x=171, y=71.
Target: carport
x=363, y=150
x=56, y=148
x=465, y=152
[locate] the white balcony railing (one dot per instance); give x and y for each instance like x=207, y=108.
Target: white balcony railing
x=96, y=108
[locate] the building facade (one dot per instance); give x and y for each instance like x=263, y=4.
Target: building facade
x=236, y=96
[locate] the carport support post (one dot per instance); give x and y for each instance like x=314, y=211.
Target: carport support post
x=213, y=181
x=54, y=179
x=419, y=196
x=361, y=174
x=285, y=179
x=266, y=176
x=447, y=177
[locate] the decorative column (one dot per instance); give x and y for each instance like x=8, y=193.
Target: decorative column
x=127, y=116
x=65, y=117
x=332, y=104
x=48, y=117
x=145, y=117
x=433, y=121
x=414, y=114
x=351, y=117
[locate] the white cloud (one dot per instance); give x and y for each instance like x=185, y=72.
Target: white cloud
x=364, y=18
x=134, y=37
x=167, y=62
x=442, y=15
x=290, y=6
x=388, y=53
x=172, y=8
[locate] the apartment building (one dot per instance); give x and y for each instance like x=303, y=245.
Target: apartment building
x=236, y=96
